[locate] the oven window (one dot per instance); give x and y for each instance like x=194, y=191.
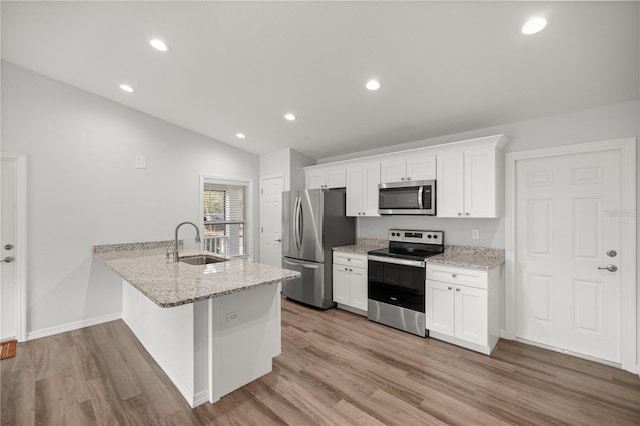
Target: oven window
x=398, y=285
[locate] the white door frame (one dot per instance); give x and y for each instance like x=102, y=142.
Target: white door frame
x=20, y=161
x=628, y=280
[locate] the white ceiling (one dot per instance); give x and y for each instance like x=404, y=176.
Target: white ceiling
x=446, y=67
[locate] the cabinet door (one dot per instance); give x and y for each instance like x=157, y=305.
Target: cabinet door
x=479, y=183
x=440, y=306
x=314, y=179
x=393, y=170
x=471, y=315
x=450, y=185
x=335, y=178
x=421, y=168
x=358, y=291
x=341, y=284
x=355, y=191
x=371, y=174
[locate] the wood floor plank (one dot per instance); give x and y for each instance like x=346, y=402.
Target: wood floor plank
x=335, y=368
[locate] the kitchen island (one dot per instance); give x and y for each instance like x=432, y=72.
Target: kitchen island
x=211, y=328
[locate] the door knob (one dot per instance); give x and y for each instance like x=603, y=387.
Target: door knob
x=610, y=268
x=8, y=259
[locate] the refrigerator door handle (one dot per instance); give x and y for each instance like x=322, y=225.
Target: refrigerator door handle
x=294, y=223
x=304, y=265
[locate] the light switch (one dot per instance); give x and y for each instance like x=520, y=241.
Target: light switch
x=141, y=162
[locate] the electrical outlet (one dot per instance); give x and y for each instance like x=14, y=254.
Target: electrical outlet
x=232, y=316
x=475, y=234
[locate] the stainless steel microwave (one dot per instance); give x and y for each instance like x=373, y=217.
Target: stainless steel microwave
x=409, y=197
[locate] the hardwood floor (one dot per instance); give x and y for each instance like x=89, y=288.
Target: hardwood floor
x=335, y=368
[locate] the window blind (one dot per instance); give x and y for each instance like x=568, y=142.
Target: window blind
x=224, y=209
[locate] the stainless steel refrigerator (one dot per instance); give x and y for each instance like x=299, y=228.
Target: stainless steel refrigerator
x=313, y=222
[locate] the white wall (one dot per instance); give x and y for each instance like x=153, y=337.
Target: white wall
x=287, y=162
x=598, y=124
x=84, y=190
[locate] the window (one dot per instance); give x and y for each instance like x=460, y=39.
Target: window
x=224, y=212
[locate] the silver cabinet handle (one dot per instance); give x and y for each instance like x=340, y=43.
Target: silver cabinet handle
x=457, y=288
x=459, y=214
x=449, y=288
x=610, y=268
x=10, y=246
x=467, y=213
x=454, y=275
x=408, y=178
x=346, y=269
x=8, y=259
x=401, y=178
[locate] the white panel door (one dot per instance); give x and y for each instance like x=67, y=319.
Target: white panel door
x=440, y=307
x=479, y=182
x=421, y=168
x=8, y=294
x=393, y=170
x=567, y=219
x=358, y=291
x=341, y=284
x=271, y=220
x=355, y=191
x=371, y=173
x=450, y=184
x=471, y=314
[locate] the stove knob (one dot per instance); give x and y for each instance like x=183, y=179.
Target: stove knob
x=435, y=236
x=429, y=236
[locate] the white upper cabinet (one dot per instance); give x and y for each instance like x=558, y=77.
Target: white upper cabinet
x=421, y=167
x=325, y=177
x=469, y=183
x=362, y=189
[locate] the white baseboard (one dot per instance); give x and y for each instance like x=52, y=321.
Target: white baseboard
x=200, y=398
x=37, y=334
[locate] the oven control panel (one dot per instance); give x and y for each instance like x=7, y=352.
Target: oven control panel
x=413, y=236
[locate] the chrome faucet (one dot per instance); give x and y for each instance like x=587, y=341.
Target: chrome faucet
x=175, y=248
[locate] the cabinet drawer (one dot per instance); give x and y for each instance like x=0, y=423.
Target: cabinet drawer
x=350, y=259
x=454, y=275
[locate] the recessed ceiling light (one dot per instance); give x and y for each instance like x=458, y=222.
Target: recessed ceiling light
x=289, y=116
x=373, y=85
x=241, y=135
x=534, y=25
x=159, y=45
x=127, y=88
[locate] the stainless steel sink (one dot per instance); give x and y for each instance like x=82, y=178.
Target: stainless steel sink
x=201, y=259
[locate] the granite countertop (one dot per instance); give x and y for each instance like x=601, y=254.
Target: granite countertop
x=469, y=257
x=363, y=246
x=146, y=267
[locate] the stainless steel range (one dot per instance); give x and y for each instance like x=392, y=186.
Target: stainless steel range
x=397, y=279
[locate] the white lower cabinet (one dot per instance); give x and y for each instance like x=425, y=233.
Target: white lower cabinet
x=350, y=282
x=463, y=306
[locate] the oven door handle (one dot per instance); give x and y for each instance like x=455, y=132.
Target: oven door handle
x=405, y=262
